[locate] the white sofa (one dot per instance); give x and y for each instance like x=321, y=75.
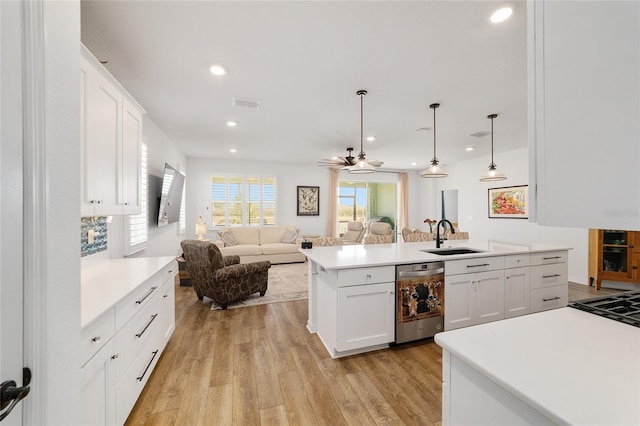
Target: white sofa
x=261, y=243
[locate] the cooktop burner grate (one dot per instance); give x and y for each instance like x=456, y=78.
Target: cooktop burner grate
x=623, y=307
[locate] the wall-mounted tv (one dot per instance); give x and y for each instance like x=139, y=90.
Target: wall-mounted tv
x=170, y=196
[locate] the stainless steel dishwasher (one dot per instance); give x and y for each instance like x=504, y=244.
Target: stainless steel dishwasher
x=420, y=301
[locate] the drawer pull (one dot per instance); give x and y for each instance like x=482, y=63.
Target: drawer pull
x=553, y=298
x=551, y=276
x=146, y=295
x=368, y=276
x=115, y=357
x=477, y=266
x=148, y=365
x=96, y=339
x=551, y=258
x=169, y=271
x=153, y=317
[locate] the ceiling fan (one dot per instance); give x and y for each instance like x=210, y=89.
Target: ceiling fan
x=346, y=162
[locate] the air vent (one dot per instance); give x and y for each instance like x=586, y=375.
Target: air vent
x=245, y=102
x=480, y=134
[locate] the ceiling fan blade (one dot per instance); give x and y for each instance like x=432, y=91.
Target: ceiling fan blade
x=374, y=162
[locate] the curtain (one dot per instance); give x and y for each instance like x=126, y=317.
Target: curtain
x=334, y=175
x=403, y=208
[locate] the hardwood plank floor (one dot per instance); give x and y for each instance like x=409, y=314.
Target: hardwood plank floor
x=258, y=365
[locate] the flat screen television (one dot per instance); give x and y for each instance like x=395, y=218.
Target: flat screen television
x=170, y=196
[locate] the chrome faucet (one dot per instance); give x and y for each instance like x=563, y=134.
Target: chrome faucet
x=438, y=241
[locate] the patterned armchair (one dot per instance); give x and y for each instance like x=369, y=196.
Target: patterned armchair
x=379, y=233
x=220, y=278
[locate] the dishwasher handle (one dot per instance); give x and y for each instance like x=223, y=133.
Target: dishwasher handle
x=426, y=273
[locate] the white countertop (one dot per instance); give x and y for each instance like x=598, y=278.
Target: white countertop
x=572, y=366
x=359, y=255
x=105, y=282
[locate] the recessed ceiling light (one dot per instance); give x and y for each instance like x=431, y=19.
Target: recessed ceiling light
x=414, y=164
x=501, y=14
x=218, y=70
x=371, y=138
x=232, y=123
x=233, y=150
x=469, y=148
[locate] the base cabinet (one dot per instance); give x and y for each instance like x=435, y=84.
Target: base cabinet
x=363, y=316
x=472, y=299
x=122, y=347
x=516, y=292
x=357, y=309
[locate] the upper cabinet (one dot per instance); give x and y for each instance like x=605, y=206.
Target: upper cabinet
x=584, y=113
x=111, y=136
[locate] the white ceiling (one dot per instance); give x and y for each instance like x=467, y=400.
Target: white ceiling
x=305, y=60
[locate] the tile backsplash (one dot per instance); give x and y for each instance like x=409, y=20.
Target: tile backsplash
x=99, y=227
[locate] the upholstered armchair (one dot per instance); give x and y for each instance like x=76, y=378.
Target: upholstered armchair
x=354, y=234
x=326, y=241
x=221, y=278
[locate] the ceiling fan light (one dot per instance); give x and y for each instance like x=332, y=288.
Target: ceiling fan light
x=362, y=167
x=492, y=175
x=434, y=171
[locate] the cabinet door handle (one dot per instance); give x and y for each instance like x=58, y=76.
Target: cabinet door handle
x=153, y=317
x=96, y=339
x=368, y=276
x=148, y=365
x=553, y=298
x=169, y=271
x=126, y=203
x=551, y=276
x=551, y=258
x=115, y=357
x=147, y=295
x=99, y=201
x=477, y=266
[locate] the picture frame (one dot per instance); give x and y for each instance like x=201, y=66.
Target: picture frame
x=509, y=202
x=308, y=200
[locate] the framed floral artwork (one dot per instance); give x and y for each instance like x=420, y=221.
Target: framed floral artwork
x=511, y=202
x=308, y=201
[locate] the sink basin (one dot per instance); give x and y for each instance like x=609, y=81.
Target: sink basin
x=452, y=251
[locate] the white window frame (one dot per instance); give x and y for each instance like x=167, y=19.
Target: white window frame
x=136, y=229
x=244, y=198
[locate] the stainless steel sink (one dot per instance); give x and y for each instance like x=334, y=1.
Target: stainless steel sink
x=452, y=251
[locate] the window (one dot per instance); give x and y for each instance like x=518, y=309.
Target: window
x=363, y=201
x=136, y=233
x=243, y=200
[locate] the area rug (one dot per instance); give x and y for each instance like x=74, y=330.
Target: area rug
x=286, y=282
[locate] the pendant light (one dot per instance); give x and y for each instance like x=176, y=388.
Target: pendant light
x=434, y=171
x=492, y=175
x=362, y=166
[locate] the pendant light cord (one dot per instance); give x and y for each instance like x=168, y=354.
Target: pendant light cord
x=434, y=134
x=361, y=125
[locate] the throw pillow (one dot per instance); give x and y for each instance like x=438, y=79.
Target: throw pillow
x=228, y=238
x=289, y=236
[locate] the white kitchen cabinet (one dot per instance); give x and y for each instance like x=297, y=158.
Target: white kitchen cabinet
x=111, y=134
x=473, y=298
x=122, y=346
x=584, y=89
x=516, y=285
x=364, y=313
x=549, y=281
x=358, y=307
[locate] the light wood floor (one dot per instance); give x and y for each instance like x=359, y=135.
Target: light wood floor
x=259, y=365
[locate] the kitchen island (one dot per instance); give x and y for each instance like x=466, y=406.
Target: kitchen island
x=352, y=301
x=563, y=366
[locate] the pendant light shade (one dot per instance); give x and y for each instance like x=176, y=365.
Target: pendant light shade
x=492, y=175
x=362, y=166
x=434, y=171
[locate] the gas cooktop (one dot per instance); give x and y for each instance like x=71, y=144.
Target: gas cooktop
x=623, y=307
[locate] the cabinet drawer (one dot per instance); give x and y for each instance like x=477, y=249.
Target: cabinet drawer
x=96, y=335
x=128, y=307
x=549, y=275
x=478, y=264
x=548, y=298
x=359, y=276
x=516, y=261
x=549, y=257
x=136, y=333
x=133, y=381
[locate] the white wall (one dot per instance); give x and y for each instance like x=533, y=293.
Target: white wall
x=473, y=209
x=163, y=241
x=289, y=177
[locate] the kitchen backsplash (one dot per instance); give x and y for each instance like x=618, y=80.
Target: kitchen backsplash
x=98, y=226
